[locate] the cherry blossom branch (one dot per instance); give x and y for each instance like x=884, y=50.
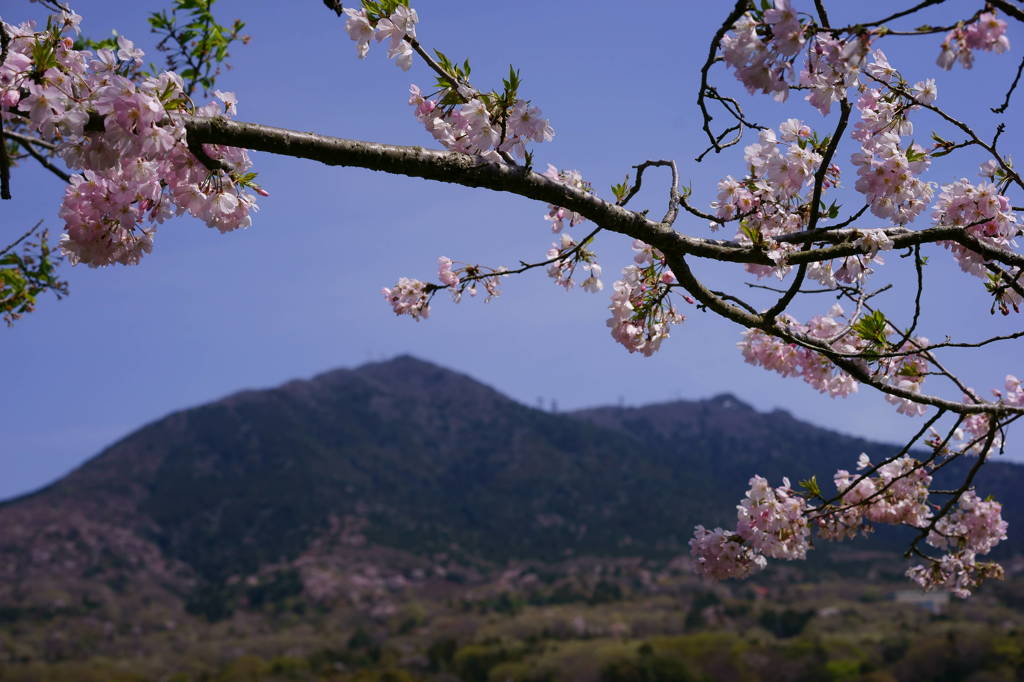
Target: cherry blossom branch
x=964, y=487
x=852, y=365
x=875, y=467
x=966, y=129
x=815, y=209
x=848, y=364
x=524, y=266
x=473, y=172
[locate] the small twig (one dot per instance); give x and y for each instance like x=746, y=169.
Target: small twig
x=524, y=266
x=780, y=290
x=851, y=219
x=703, y=89
x=1013, y=86
x=673, y=192
x=43, y=161
x=21, y=238
x=918, y=267
x=897, y=15
x=718, y=145
x=35, y=141
x=735, y=299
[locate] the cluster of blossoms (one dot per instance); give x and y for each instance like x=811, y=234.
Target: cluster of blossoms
x=975, y=524
x=973, y=527
x=771, y=522
x=976, y=432
x=412, y=297
x=460, y=280
x=1007, y=287
x=987, y=33
x=887, y=172
x=763, y=46
x=474, y=127
x=768, y=200
x=985, y=210
x=776, y=523
x=409, y=297
x=832, y=67
x=761, y=49
x=362, y=28
x=896, y=494
x=1014, y=393
x=641, y=309
x=957, y=572
x=476, y=123
x=135, y=161
x=793, y=360
x=906, y=371
x=565, y=255
x=557, y=215
x=853, y=269
x=904, y=367
x=721, y=554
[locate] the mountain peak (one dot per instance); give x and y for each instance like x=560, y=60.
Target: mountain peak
x=729, y=402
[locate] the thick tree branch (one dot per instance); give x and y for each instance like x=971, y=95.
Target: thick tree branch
x=461, y=169
x=475, y=172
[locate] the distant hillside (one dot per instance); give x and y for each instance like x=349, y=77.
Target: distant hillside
x=405, y=456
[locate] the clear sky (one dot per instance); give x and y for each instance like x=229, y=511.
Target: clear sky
x=299, y=292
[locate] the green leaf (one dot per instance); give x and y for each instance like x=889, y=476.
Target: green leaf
x=874, y=329
x=811, y=486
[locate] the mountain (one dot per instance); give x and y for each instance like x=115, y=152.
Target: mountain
x=408, y=460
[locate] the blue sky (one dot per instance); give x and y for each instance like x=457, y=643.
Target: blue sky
x=299, y=292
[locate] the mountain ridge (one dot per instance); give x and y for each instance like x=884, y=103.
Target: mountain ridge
x=409, y=457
